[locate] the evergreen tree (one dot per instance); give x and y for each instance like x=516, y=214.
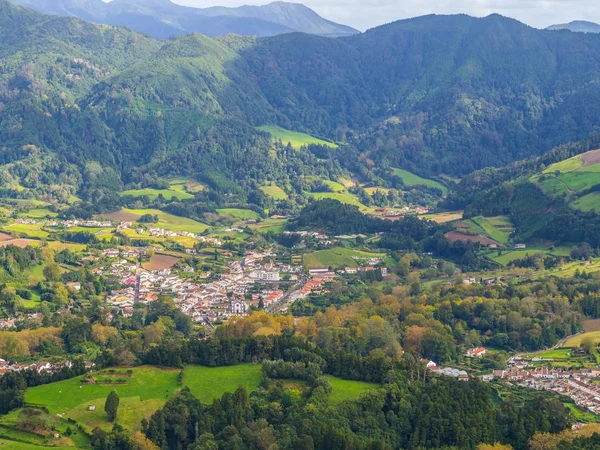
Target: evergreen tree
x=112, y=405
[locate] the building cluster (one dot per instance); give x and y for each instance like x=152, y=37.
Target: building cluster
x=577, y=384
x=218, y=299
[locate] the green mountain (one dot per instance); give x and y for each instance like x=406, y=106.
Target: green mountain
x=436, y=95
x=162, y=18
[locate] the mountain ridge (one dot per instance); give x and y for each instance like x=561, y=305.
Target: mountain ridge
x=580, y=26
x=162, y=19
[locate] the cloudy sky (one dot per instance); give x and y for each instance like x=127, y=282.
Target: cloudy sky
x=363, y=14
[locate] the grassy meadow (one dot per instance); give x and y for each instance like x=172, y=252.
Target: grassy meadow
x=336, y=257
x=169, y=221
x=410, y=180
x=168, y=194
x=296, y=139
x=343, y=390
x=275, y=192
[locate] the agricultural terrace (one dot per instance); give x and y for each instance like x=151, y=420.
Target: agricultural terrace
x=294, y=138
x=498, y=228
x=443, y=217
x=505, y=257
x=336, y=257
x=410, y=179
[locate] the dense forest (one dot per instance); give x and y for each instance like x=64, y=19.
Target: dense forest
x=459, y=94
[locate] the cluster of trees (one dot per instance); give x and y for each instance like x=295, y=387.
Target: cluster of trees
x=430, y=413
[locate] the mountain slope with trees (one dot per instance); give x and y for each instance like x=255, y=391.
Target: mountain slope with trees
x=433, y=95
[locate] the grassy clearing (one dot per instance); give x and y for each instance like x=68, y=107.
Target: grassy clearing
x=275, y=192
x=498, y=228
x=335, y=186
x=33, y=230
x=561, y=353
x=296, y=139
x=444, y=217
x=238, y=213
x=182, y=184
x=169, y=221
x=343, y=390
x=410, y=180
x=568, y=165
x=144, y=393
x=38, y=213
x=575, y=341
x=12, y=445
x=208, y=383
x=589, y=202
x=343, y=197
x=581, y=415
x=336, y=257
x=169, y=194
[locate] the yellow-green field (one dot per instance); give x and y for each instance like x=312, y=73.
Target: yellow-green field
x=238, y=213
x=498, y=228
x=31, y=230
x=275, y=192
x=296, y=139
x=575, y=341
x=168, y=194
x=142, y=394
x=410, y=180
x=169, y=221
x=342, y=390
x=343, y=197
x=336, y=257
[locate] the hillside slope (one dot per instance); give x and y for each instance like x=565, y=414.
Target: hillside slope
x=432, y=95
x=580, y=26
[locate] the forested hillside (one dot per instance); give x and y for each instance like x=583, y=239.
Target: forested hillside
x=434, y=95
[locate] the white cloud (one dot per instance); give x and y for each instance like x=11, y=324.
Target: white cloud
x=363, y=14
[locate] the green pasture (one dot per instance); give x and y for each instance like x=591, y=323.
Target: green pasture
x=274, y=191
x=342, y=390
x=410, y=179
x=589, y=202
x=170, y=221
x=336, y=257
x=497, y=228
x=295, y=138
x=342, y=197
x=238, y=213
x=168, y=194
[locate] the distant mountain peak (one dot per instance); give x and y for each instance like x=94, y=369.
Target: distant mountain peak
x=580, y=26
x=163, y=18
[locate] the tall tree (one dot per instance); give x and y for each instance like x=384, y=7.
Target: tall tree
x=112, y=405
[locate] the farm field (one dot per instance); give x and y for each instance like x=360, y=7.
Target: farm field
x=509, y=256
x=169, y=221
x=238, y=213
x=145, y=392
x=202, y=380
x=342, y=390
x=31, y=230
x=186, y=185
x=274, y=191
x=575, y=341
x=343, y=197
x=454, y=236
x=38, y=213
x=498, y=228
x=560, y=353
x=336, y=257
x=589, y=202
x=410, y=180
x=444, y=217
x=159, y=262
x=153, y=193
x=295, y=138
x=277, y=226
x=573, y=175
